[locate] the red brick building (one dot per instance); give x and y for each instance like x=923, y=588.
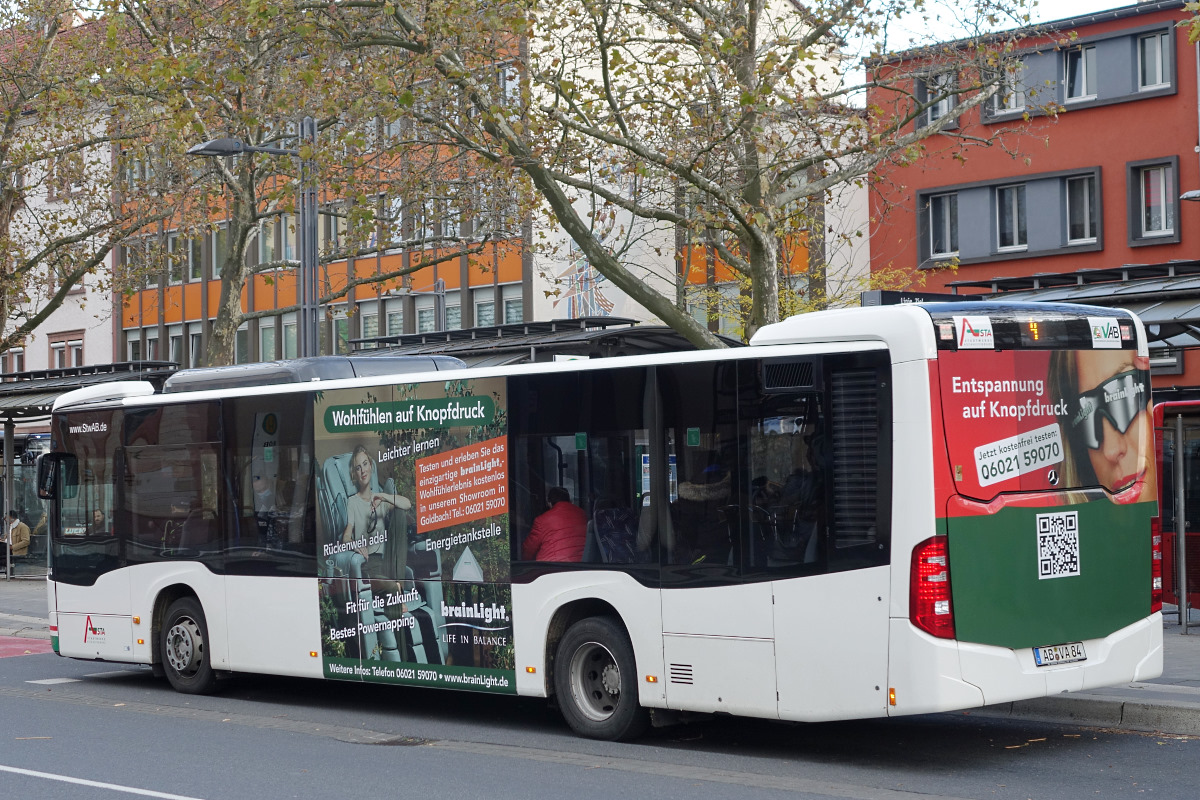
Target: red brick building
x=1095, y=187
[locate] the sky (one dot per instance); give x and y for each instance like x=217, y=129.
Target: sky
x=941, y=14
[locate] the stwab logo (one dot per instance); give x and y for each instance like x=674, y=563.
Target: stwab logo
x=89, y=427
x=974, y=333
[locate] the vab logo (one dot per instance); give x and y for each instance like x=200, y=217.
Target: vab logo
x=974, y=332
x=1105, y=332
x=91, y=630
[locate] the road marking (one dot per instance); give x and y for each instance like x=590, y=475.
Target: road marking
x=53, y=681
x=94, y=784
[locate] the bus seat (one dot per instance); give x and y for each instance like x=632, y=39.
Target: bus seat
x=616, y=535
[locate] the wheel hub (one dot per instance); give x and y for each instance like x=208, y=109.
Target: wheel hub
x=610, y=679
x=184, y=646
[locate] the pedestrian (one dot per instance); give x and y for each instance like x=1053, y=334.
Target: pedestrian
x=17, y=535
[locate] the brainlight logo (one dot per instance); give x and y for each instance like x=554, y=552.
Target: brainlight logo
x=974, y=332
x=1105, y=332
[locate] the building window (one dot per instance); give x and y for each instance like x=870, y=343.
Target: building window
x=135, y=347
x=220, y=242
x=66, y=349
x=370, y=325
x=175, y=344
x=1011, y=233
x=1081, y=210
x=266, y=342
x=241, y=350
x=341, y=333
x=1080, y=73
x=453, y=317
x=426, y=320
x=195, y=347
x=290, y=340
x=514, y=311
x=1010, y=92
x=1153, y=65
x=937, y=88
x=485, y=313
x=395, y=319
x=1157, y=201
x=943, y=225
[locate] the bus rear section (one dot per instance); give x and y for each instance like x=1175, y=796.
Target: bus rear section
x=1042, y=572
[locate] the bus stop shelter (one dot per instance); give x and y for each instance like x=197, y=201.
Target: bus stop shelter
x=26, y=398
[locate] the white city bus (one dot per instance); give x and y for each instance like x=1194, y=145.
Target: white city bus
x=867, y=512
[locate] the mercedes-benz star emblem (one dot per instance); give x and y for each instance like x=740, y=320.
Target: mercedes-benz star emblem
x=1052, y=476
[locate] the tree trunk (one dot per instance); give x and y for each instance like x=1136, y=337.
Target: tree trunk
x=222, y=342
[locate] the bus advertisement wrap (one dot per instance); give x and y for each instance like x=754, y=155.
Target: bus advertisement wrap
x=1033, y=421
x=1049, y=519
x=413, y=534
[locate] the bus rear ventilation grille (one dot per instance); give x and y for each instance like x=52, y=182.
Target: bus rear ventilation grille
x=681, y=673
x=788, y=375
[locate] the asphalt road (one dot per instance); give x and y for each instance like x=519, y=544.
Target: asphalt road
x=265, y=738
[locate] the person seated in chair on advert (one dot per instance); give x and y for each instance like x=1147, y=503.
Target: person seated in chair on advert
x=559, y=533
x=366, y=511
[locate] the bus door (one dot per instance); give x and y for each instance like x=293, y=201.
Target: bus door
x=90, y=603
x=718, y=629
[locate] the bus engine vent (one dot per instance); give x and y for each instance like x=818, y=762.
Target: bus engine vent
x=681, y=673
x=784, y=375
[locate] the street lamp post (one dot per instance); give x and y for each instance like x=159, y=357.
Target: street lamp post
x=306, y=223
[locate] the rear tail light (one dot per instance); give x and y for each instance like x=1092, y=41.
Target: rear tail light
x=1156, y=565
x=929, y=605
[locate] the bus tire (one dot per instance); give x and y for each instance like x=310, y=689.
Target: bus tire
x=595, y=680
x=185, y=652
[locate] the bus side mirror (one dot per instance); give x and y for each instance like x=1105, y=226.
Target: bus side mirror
x=57, y=475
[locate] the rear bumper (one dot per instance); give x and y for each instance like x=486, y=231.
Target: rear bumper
x=1133, y=653
x=931, y=675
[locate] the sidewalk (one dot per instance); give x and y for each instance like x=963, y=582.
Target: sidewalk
x=1167, y=704
x=23, y=608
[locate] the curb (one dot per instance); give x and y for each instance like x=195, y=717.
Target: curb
x=1173, y=717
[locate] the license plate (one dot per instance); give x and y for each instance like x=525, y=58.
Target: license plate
x=1059, y=654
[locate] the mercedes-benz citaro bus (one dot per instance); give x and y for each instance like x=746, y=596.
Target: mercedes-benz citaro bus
x=868, y=512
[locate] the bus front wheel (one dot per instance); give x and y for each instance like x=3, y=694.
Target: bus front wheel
x=595, y=679
x=185, y=656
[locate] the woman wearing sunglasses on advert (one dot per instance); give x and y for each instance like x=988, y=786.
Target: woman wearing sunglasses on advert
x=1107, y=425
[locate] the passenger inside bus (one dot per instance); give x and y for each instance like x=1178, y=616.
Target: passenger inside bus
x=559, y=532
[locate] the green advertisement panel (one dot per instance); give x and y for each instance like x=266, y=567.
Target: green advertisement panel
x=1030, y=576
x=413, y=534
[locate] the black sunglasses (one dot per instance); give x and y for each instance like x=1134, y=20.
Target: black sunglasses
x=1119, y=399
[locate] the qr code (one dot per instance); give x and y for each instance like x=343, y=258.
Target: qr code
x=1058, y=544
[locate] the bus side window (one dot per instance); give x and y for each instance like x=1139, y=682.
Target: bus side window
x=585, y=432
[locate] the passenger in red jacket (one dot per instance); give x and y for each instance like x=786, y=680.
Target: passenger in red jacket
x=559, y=532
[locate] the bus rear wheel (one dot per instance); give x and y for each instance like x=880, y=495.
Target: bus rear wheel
x=185, y=656
x=595, y=679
